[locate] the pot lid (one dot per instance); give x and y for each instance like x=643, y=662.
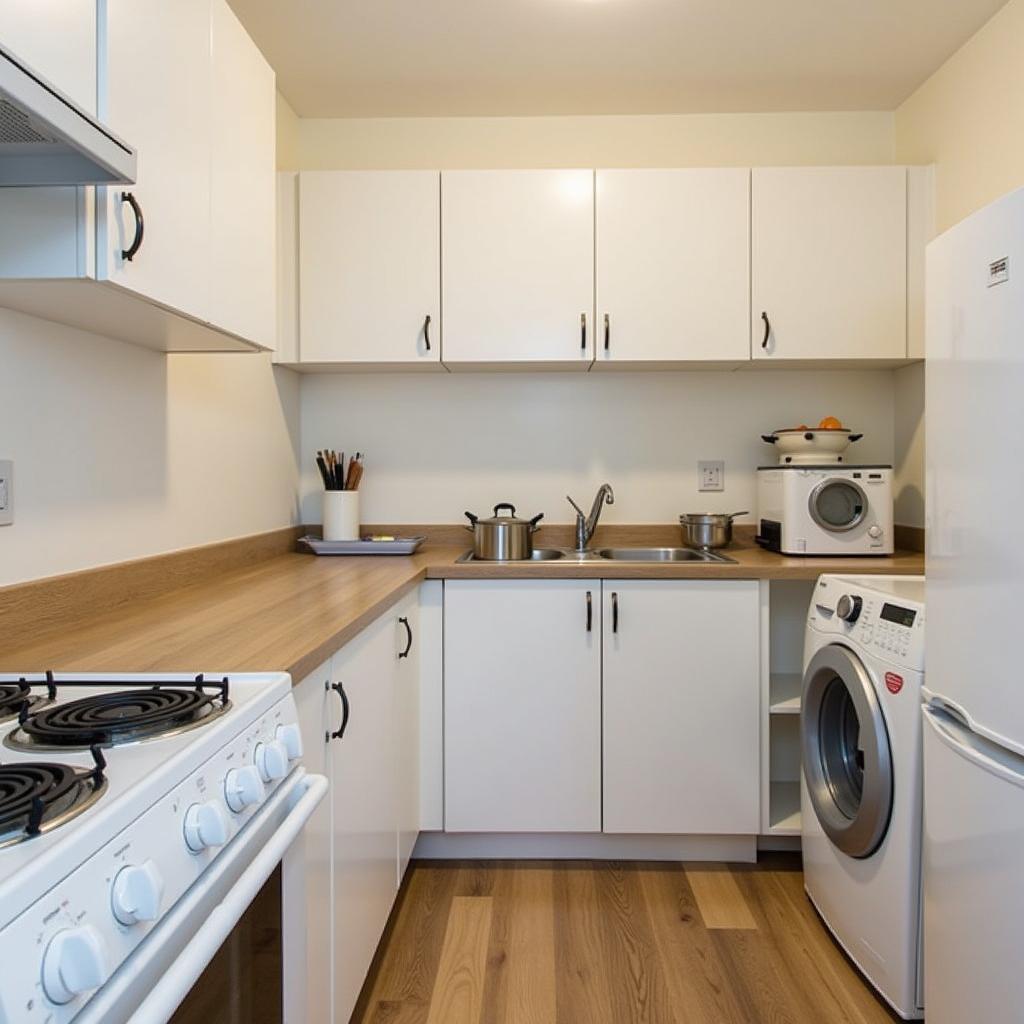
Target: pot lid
x=511, y=519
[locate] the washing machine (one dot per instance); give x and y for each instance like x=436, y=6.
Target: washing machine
x=860, y=802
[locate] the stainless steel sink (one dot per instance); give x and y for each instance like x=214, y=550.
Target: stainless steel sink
x=659, y=555
x=614, y=555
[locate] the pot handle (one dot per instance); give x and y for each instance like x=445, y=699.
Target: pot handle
x=769, y=438
x=854, y=437
x=505, y=504
x=733, y=515
x=535, y=520
x=472, y=521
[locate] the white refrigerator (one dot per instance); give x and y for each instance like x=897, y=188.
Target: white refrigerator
x=973, y=840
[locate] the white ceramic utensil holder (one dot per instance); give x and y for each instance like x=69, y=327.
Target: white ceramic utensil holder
x=341, y=515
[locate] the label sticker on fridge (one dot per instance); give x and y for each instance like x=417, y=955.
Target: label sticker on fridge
x=999, y=271
x=893, y=682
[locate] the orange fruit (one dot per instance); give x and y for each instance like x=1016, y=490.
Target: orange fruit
x=830, y=423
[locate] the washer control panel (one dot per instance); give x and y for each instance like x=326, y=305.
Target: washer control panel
x=890, y=626
x=69, y=942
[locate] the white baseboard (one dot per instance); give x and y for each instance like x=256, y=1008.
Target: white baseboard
x=582, y=846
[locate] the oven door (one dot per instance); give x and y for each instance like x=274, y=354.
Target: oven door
x=221, y=935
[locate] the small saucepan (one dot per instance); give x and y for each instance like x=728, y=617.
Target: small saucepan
x=503, y=538
x=706, y=530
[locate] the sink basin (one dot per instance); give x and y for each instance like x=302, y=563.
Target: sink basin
x=539, y=555
x=659, y=555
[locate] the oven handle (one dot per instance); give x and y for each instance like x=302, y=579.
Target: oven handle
x=177, y=981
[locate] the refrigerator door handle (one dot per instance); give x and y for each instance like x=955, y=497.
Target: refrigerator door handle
x=991, y=757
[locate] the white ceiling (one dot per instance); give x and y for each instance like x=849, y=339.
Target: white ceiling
x=370, y=58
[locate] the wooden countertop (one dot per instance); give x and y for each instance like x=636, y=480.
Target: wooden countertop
x=291, y=611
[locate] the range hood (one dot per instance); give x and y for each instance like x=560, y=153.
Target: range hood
x=45, y=139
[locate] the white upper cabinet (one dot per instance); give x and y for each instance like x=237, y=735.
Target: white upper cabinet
x=370, y=268
x=522, y=705
x=517, y=258
x=159, y=99
x=681, y=706
x=673, y=267
x=829, y=263
x=57, y=40
x=243, y=186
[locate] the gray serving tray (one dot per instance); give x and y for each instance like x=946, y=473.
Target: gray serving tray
x=398, y=546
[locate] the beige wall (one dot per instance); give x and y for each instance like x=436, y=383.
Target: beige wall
x=683, y=140
x=968, y=119
x=121, y=452
x=287, y=136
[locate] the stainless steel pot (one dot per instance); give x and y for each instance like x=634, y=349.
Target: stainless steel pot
x=706, y=530
x=503, y=538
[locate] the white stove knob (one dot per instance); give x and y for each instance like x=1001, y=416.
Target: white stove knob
x=874, y=532
x=205, y=826
x=243, y=787
x=137, y=893
x=291, y=736
x=74, y=963
x=271, y=760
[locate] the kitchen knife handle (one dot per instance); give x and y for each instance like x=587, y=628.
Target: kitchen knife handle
x=767, y=329
x=590, y=612
x=140, y=226
x=426, y=331
x=583, y=332
x=615, y=612
x=408, y=645
x=607, y=332
x=346, y=710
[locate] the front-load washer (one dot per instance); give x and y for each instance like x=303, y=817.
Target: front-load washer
x=860, y=800
x=825, y=510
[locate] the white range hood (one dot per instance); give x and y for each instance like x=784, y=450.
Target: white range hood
x=45, y=139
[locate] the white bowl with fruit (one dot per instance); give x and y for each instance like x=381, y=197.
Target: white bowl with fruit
x=804, y=445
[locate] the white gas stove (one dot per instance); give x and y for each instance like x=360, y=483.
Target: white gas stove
x=138, y=816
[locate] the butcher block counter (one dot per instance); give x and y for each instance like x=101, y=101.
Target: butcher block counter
x=258, y=604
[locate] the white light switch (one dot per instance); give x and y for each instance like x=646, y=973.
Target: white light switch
x=6, y=492
x=711, y=476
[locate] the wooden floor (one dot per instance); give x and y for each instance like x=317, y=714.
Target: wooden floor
x=536, y=942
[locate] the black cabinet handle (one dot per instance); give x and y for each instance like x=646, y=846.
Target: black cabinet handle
x=140, y=226
x=590, y=612
x=346, y=710
x=426, y=331
x=583, y=332
x=767, y=329
x=607, y=332
x=615, y=612
x=408, y=629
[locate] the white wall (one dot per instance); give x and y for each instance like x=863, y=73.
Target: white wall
x=121, y=452
x=438, y=444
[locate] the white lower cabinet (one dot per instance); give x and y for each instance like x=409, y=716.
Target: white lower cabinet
x=681, y=706
x=522, y=705
x=359, y=718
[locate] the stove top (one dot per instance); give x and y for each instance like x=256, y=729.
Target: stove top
x=122, y=711
x=15, y=696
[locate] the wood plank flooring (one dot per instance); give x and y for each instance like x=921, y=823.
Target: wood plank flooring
x=539, y=942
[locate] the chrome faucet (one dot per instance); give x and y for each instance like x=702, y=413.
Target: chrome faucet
x=586, y=525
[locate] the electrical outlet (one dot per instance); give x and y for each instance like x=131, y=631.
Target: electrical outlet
x=6, y=492
x=710, y=476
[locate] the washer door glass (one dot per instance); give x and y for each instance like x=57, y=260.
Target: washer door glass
x=838, y=505
x=847, y=759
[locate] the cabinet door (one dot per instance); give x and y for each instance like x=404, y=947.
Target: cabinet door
x=681, y=706
x=242, y=184
x=673, y=266
x=517, y=258
x=57, y=40
x=829, y=262
x=407, y=727
x=307, y=867
x=522, y=706
x=158, y=97
x=364, y=808
x=369, y=267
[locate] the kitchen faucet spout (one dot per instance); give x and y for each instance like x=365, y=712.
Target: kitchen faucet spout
x=586, y=525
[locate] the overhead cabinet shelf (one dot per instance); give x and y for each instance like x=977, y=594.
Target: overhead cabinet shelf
x=185, y=258
x=613, y=269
